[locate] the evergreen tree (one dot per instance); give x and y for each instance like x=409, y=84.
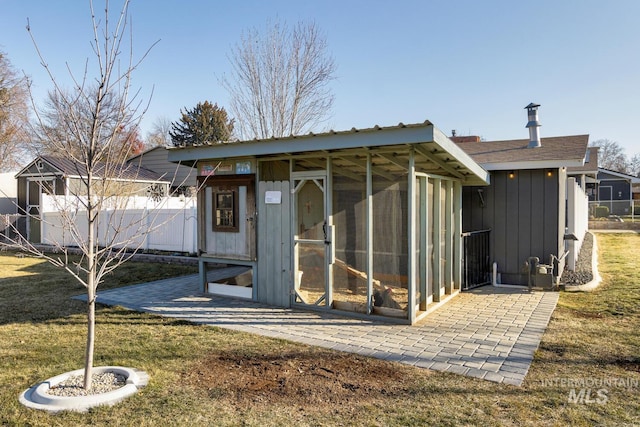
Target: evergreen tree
x=206, y=123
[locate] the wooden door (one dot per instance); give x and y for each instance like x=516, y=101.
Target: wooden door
x=229, y=224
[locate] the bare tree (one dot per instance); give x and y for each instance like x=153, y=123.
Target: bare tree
x=634, y=165
x=611, y=155
x=93, y=116
x=159, y=135
x=14, y=114
x=67, y=116
x=280, y=81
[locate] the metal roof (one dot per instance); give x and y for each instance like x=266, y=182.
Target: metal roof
x=70, y=168
x=390, y=147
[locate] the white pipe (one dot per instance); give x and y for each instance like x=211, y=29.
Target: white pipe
x=494, y=277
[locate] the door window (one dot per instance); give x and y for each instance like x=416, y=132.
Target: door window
x=225, y=216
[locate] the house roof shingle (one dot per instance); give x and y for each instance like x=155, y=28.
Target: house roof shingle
x=562, y=151
x=590, y=163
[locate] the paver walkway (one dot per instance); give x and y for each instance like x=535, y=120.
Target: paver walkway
x=490, y=333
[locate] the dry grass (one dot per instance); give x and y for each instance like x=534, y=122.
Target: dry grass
x=208, y=376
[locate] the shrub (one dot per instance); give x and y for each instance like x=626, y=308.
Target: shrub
x=602, y=212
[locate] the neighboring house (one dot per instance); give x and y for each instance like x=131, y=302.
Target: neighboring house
x=366, y=221
x=61, y=176
x=615, y=191
x=525, y=207
x=8, y=194
x=181, y=177
x=8, y=200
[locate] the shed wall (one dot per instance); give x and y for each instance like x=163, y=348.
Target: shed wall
x=224, y=243
x=526, y=214
x=274, y=246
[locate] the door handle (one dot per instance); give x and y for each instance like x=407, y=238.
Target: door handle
x=324, y=231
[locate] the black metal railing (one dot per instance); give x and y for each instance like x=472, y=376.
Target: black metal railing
x=476, y=265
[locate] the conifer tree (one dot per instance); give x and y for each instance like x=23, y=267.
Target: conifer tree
x=206, y=123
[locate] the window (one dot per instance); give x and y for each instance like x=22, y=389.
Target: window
x=226, y=211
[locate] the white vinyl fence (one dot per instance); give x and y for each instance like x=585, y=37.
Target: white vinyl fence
x=577, y=220
x=170, y=225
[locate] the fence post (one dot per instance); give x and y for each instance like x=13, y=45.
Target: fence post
x=148, y=227
x=571, y=222
x=194, y=229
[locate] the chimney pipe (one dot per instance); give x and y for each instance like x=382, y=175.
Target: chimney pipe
x=533, y=125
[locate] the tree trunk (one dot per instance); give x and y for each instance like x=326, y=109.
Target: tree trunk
x=91, y=285
x=91, y=324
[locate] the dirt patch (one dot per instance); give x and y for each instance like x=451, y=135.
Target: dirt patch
x=628, y=364
x=558, y=349
x=310, y=379
x=587, y=314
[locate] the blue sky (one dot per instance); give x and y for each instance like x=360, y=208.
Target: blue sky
x=466, y=65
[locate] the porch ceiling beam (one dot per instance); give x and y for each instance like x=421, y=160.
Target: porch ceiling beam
x=395, y=160
x=433, y=171
x=336, y=170
x=363, y=165
x=438, y=161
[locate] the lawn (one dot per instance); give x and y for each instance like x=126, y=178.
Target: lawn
x=586, y=371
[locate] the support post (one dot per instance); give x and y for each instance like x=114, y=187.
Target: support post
x=411, y=204
x=457, y=235
x=369, y=235
x=437, y=239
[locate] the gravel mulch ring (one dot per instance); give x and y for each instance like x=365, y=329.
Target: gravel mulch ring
x=100, y=383
x=584, y=271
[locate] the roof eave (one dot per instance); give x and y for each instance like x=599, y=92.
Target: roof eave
x=479, y=172
x=330, y=141
x=532, y=164
x=373, y=137
x=631, y=178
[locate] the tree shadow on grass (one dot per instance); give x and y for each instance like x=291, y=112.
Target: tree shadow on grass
x=40, y=292
x=39, y=297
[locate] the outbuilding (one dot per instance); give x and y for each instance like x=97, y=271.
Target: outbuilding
x=614, y=190
x=533, y=212
x=61, y=176
x=365, y=221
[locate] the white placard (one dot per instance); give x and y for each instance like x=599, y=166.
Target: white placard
x=273, y=197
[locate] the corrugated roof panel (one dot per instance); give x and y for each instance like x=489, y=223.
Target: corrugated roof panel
x=384, y=142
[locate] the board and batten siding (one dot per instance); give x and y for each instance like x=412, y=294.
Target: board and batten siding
x=274, y=245
x=526, y=215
